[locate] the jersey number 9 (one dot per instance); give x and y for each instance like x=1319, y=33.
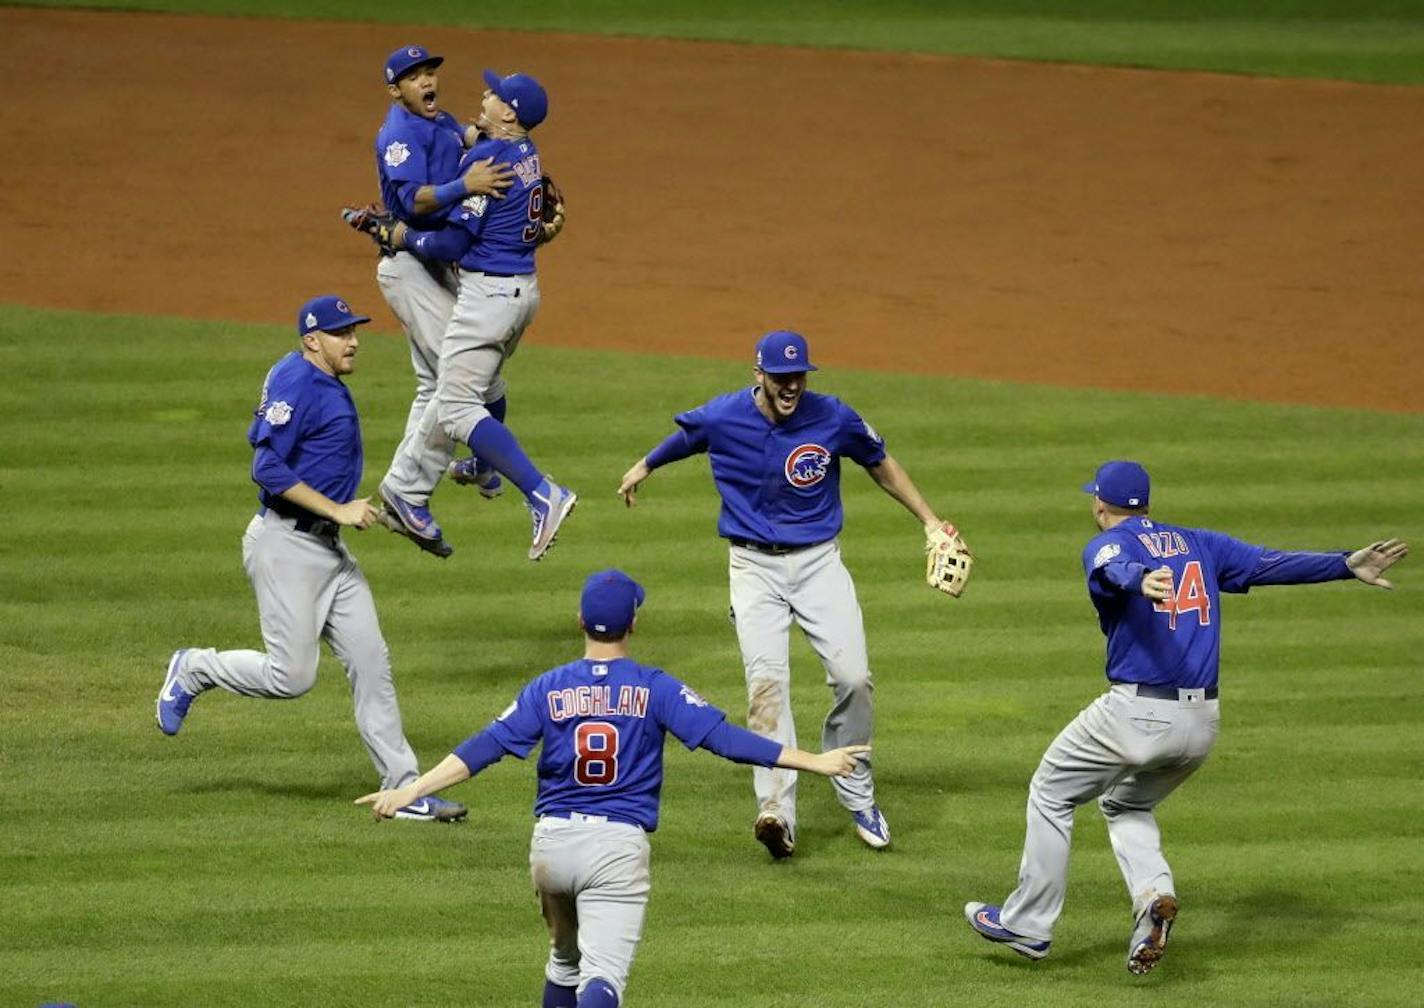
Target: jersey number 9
x=535, y=227
x=596, y=752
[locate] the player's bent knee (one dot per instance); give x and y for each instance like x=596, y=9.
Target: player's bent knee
x=293, y=681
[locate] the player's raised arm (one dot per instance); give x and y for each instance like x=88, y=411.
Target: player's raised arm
x=678, y=445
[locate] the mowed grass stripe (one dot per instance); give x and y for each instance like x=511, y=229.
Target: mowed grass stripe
x=225, y=867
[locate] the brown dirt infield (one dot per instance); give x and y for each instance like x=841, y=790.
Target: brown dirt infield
x=1124, y=229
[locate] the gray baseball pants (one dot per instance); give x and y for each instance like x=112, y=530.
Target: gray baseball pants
x=421, y=295
x=488, y=318
x=310, y=589
x=812, y=587
x=1130, y=753
x=593, y=881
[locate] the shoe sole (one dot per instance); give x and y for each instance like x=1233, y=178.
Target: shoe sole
x=536, y=553
x=168, y=678
x=1149, y=952
x=437, y=817
x=391, y=519
x=772, y=834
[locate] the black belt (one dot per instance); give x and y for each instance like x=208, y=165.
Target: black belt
x=304, y=521
x=502, y=276
x=772, y=549
x=1169, y=692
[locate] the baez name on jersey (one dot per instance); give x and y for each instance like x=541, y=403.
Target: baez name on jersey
x=597, y=701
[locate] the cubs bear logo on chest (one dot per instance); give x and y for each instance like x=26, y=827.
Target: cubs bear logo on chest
x=807, y=465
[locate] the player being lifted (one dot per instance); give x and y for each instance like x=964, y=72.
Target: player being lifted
x=602, y=721
x=493, y=242
x=1157, y=590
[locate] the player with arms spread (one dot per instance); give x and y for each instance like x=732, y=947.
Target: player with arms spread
x=493, y=242
x=419, y=149
x=1156, y=589
x=602, y=720
x=775, y=450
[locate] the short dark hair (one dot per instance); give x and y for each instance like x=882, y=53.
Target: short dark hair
x=1118, y=509
x=606, y=637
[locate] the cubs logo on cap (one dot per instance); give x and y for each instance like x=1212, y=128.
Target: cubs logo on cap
x=783, y=352
x=327, y=314
x=406, y=59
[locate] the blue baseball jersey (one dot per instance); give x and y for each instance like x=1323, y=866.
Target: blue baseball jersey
x=305, y=429
x=602, y=725
x=780, y=483
x=502, y=233
x=411, y=152
x=1177, y=643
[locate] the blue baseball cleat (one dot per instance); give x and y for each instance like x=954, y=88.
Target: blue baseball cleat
x=432, y=809
x=984, y=918
x=414, y=522
x=550, y=504
x=466, y=472
x=173, y=700
x=870, y=826
x=1149, y=937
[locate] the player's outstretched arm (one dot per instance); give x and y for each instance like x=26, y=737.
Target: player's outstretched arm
x=628, y=486
x=831, y=763
x=450, y=770
x=1369, y=563
x=891, y=477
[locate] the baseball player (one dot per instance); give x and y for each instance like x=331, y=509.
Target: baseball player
x=775, y=450
x=418, y=152
x=1156, y=589
x=307, y=459
x=493, y=241
x=602, y=720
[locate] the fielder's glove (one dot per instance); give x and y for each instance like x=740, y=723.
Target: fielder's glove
x=947, y=560
x=553, y=210
x=376, y=222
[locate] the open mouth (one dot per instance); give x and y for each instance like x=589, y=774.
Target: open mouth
x=427, y=100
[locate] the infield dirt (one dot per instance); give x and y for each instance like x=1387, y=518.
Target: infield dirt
x=1195, y=233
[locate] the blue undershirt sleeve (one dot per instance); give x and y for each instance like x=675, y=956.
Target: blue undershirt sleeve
x=479, y=751
x=445, y=245
x=405, y=192
x=1123, y=576
x=741, y=746
x=674, y=448
x=1300, y=568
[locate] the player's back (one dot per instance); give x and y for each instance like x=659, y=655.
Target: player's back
x=602, y=723
x=506, y=231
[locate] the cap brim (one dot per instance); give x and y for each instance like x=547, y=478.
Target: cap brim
x=344, y=321
x=789, y=368
x=492, y=80
x=1091, y=488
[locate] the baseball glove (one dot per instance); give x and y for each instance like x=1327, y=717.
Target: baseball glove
x=376, y=222
x=553, y=210
x=947, y=560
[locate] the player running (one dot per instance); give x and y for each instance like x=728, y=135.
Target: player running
x=493, y=241
x=418, y=150
x=307, y=458
x=1157, y=590
x=602, y=720
x=775, y=450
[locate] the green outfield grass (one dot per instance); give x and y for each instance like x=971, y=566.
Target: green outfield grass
x=1365, y=40
x=227, y=867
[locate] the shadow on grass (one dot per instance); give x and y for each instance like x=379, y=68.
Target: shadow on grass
x=303, y=791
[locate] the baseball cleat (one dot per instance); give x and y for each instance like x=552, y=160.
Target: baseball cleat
x=173, y=700
x=870, y=826
x=774, y=833
x=984, y=918
x=466, y=472
x=550, y=504
x=414, y=522
x=1149, y=937
x=432, y=809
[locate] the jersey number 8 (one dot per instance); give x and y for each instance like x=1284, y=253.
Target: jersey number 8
x=596, y=752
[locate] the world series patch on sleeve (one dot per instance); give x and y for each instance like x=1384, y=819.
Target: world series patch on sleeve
x=947, y=560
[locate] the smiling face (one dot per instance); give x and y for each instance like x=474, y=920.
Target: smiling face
x=334, y=352
x=497, y=117
x=780, y=394
x=418, y=90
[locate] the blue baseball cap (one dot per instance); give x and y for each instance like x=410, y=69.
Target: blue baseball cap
x=523, y=94
x=1124, y=484
x=610, y=601
x=783, y=352
x=326, y=313
x=402, y=61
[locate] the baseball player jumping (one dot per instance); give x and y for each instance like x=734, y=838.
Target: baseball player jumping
x=307, y=460
x=493, y=241
x=418, y=152
x=775, y=450
x=1156, y=589
x=602, y=720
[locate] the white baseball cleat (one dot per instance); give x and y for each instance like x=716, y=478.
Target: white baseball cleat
x=774, y=833
x=549, y=504
x=1149, y=937
x=870, y=826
